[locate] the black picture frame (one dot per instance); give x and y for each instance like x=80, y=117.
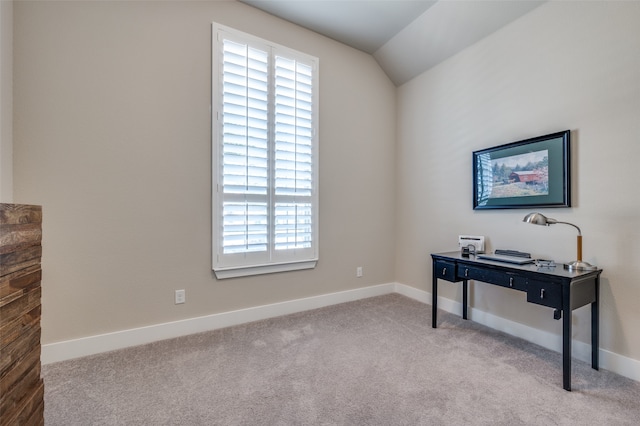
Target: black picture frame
x=528, y=173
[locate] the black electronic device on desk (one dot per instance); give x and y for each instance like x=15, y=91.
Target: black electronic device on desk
x=508, y=256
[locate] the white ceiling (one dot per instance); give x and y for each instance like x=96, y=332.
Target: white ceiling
x=406, y=37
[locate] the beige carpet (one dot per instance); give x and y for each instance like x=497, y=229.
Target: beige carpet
x=372, y=362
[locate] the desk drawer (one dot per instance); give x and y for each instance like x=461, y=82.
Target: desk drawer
x=445, y=270
x=502, y=279
x=545, y=293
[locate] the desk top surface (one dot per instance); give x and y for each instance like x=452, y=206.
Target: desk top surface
x=558, y=271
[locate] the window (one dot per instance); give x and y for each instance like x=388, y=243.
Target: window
x=265, y=161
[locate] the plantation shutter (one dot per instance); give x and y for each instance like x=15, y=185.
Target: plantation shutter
x=245, y=148
x=293, y=154
x=265, y=202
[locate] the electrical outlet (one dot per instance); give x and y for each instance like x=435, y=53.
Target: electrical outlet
x=359, y=271
x=181, y=297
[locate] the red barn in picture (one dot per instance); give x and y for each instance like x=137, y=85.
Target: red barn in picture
x=527, y=177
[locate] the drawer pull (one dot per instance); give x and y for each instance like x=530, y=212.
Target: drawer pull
x=542, y=293
x=444, y=271
x=510, y=281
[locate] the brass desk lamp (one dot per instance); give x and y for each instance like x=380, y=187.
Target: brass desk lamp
x=576, y=265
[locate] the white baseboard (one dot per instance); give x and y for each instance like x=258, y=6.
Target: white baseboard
x=60, y=351
x=611, y=361
x=69, y=349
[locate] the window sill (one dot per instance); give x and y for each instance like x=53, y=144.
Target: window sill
x=245, y=271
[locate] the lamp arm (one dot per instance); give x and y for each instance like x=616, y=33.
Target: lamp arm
x=567, y=223
x=579, y=241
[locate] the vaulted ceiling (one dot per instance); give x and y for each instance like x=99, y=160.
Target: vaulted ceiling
x=406, y=37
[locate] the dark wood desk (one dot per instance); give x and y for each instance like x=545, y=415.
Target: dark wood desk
x=557, y=288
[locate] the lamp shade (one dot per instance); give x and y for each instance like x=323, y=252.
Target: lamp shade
x=538, y=219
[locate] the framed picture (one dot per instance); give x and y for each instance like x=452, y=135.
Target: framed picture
x=529, y=173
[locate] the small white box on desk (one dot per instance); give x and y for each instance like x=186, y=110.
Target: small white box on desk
x=471, y=240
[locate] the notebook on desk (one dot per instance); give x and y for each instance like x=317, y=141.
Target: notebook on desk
x=519, y=260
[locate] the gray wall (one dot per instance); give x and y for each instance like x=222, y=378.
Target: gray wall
x=6, y=101
x=565, y=65
x=112, y=137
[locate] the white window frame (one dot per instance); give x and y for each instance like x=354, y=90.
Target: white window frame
x=271, y=260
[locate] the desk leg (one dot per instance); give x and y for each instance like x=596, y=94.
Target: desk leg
x=434, y=298
x=465, y=292
x=566, y=337
x=595, y=327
